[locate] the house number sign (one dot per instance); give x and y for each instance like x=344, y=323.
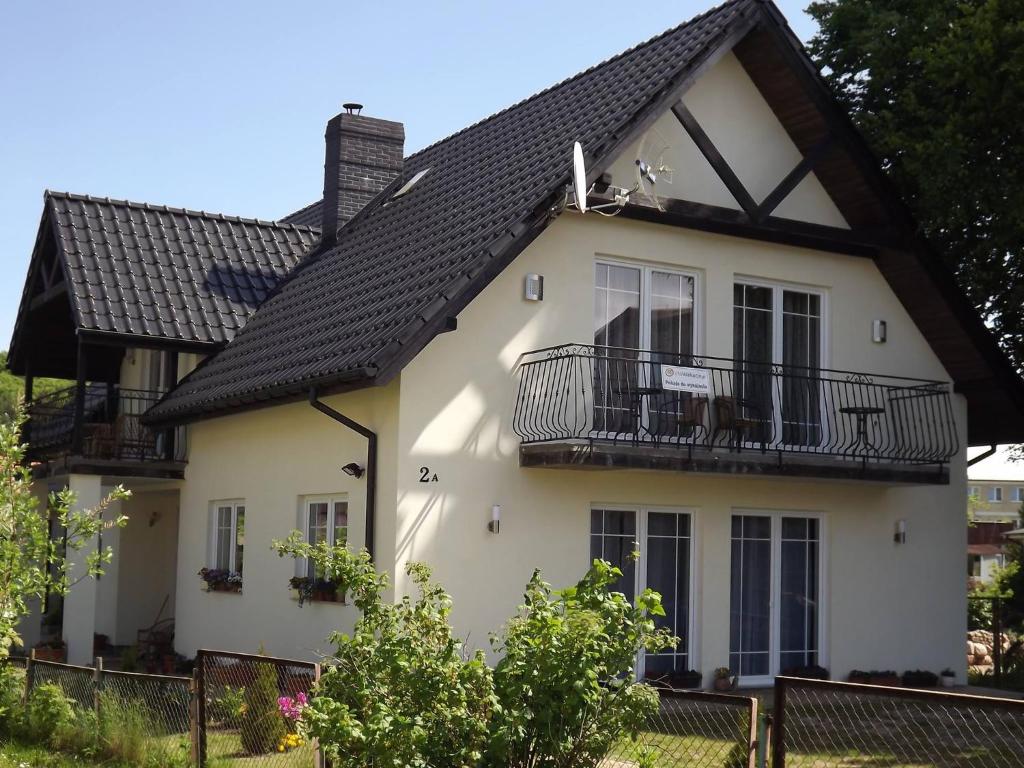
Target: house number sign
x=680, y=378
x=426, y=476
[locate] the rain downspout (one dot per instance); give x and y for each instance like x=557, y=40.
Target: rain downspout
x=371, y=461
x=982, y=456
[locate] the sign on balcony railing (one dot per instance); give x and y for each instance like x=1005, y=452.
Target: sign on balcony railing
x=111, y=426
x=592, y=393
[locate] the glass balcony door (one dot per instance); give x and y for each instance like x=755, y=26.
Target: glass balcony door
x=643, y=316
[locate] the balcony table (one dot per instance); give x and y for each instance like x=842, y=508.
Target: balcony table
x=861, y=412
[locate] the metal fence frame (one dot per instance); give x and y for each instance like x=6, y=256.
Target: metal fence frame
x=705, y=703
x=953, y=701
x=203, y=690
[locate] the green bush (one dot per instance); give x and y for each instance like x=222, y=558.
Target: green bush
x=262, y=726
x=49, y=711
x=12, y=691
x=227, y=708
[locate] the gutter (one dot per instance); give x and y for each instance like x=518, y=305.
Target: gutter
x=371, y=461
x=982, y=456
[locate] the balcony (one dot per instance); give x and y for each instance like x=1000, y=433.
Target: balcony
x=581, y=406
x=103, y=434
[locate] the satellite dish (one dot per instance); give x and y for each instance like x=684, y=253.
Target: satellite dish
x=579, y=177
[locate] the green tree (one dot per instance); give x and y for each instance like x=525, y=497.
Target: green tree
x=12, y=389
x=31, y=564
x=937, y=87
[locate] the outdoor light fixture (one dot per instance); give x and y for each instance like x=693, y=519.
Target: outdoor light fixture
x=878, y=331
x=353, y=470
x=900, y=534
x=495, y=524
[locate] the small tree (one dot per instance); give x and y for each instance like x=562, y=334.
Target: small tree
x=262, y=726
x=31, y=564
x=566, y=681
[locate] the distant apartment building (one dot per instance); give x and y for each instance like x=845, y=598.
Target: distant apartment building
x=995, y=493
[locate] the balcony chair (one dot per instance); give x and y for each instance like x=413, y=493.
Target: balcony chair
x=729, y=417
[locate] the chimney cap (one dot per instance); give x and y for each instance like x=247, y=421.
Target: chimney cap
x=352, y=107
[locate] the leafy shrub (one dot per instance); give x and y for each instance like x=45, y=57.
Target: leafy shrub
x=262, y=726
x=227, y=708
x=12, y=689
x=402, y=691
x=564, y=684
x=49, y=711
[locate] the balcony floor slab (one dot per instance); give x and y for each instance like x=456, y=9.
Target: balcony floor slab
x=582, y=455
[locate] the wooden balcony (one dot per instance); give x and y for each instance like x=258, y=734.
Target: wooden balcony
x=97, y=429
x=588, y=407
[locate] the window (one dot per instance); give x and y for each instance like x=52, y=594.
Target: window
x=1018, y=493
x=778, y=326
x=972, y=491
x=664, y=541
x=638, y=308
x=995, y=493
x=775, y=583
x=325, y=518
x=228, y=535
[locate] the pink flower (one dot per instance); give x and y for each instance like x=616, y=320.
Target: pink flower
x=290, y=708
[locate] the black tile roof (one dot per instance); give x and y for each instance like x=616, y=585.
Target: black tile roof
x=169, y=273
x=351, y=312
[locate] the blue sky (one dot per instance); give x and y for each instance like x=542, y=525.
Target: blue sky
x=221, y=105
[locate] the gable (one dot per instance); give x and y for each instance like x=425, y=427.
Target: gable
x=741, y=124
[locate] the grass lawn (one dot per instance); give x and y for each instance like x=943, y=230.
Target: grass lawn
x=14, y=755
x=224, y=750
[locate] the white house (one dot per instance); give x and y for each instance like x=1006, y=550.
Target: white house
x=741, y=361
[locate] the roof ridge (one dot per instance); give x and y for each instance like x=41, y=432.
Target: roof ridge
x=225, y=217
x=562, y=83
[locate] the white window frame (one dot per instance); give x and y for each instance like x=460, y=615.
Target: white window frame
x=972, y=491
x=215, y=507
x=776, y=515
x=1018, y=493
x=305, y=502
x=995, y=493
x=646, y=268
x=641, y=511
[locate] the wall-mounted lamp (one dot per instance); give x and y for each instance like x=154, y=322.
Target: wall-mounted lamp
x=900, y=533
x=878, y=329
x=533, y=287
x=353, y=470
x=495, y=524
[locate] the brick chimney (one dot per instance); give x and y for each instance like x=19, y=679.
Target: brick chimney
x=364, y=155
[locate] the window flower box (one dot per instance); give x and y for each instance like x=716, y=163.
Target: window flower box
x=220, y=580
x=305, y=589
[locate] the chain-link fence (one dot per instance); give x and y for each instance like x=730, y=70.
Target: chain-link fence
x=144, y=720
x=693, y=729
x=820, y=724
x=241, y=713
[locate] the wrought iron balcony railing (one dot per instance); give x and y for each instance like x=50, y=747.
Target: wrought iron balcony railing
x=110, y=426
x=589, y=393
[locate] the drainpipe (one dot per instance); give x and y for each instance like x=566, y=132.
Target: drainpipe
x=371, y=461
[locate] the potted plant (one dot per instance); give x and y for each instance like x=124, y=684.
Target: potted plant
x=859, y=676
x=725, y=680
x=919, y=678
x=948, y=678
x=809, y=672
x=220, y=580
x=301, y=588
x=888, y=678
x=689, y=678
x=326, y=591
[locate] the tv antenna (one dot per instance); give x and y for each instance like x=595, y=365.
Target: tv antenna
x=651, y=166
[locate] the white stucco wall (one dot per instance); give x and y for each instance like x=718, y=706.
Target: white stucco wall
x=887, y=605
x=271, y=458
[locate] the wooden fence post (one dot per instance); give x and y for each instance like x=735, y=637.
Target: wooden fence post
x=30, y=673
x=779, y=725
x=318, y=758
x=997, y=641
x=200, y=676
x=97, y=684
x=193, y=716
